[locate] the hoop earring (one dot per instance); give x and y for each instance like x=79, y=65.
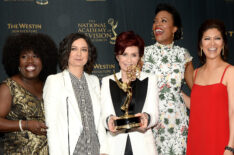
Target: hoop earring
x=201, y=52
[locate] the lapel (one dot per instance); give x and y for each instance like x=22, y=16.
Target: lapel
x=139, y=94
x=115, y=93
x=118, y=97
x=73, y=105
x=142, y=90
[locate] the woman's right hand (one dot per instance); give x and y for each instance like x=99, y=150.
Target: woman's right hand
x=36, y=127
x=111, y=124
x=186, y=99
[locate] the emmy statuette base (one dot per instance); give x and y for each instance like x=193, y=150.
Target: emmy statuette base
x=127, y=122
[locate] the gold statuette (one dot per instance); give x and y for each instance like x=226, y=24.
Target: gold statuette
x=127, y=121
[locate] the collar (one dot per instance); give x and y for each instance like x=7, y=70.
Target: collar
x=161, y=46
x=82, y=78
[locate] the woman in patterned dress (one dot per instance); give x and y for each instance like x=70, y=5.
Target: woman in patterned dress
x=21, y=108
x=72, y=101
x=171, y=64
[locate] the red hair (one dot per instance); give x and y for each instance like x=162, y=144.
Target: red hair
x=126, y=39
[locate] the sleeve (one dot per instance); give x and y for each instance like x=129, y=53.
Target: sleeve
x=102, y=138
x=106, y=102
x=187, y=56
x=151, y=104
x=51, y=101
x=101, y=130
x=148, y=61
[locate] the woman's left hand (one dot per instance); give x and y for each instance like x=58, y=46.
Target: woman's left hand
x=37, y=127
x=226, y=152
x=144, y=121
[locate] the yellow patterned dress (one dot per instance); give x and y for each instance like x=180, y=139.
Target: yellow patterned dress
x=25, y=106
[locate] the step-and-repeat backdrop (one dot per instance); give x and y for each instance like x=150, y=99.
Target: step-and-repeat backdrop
x=103, y=20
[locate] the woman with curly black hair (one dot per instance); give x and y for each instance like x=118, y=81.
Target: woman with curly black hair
x=28, y=59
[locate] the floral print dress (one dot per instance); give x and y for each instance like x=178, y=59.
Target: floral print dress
x=168, y=63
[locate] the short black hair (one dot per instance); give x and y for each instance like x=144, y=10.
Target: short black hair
x=175, y=15
x=41, y=44
x=126, y=39
x=65, y=50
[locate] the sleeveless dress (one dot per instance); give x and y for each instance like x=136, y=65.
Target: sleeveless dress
x=209, y=120
x=168, y=63
x=25, y=106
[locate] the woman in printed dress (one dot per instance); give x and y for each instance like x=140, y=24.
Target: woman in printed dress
x=26, y=58
x=171, y=64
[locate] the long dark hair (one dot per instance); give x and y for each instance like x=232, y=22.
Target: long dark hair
x=210, y=24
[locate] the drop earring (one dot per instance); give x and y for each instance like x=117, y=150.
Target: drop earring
x=223, y=51
x=201, y=52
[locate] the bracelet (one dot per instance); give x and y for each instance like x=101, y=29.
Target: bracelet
x=20, y=125
x=229, y=149
x=26, y=125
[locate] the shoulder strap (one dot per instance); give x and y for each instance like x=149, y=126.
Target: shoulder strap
x=195, y=75
x=224, y=73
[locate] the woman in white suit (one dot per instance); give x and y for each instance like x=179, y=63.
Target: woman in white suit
x=129, y=48
x=72, y=101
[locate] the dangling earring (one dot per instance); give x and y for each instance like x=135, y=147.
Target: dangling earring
x=223, y=51
x=201, y=52
x=173, y=35
x=19, y=69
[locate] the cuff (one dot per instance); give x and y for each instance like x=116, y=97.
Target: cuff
x=149, y=118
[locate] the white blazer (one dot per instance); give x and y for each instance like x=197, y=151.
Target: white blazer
x=142, y=143
x=62, y=112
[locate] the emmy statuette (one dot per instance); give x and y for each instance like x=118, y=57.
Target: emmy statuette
x=127, y=121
